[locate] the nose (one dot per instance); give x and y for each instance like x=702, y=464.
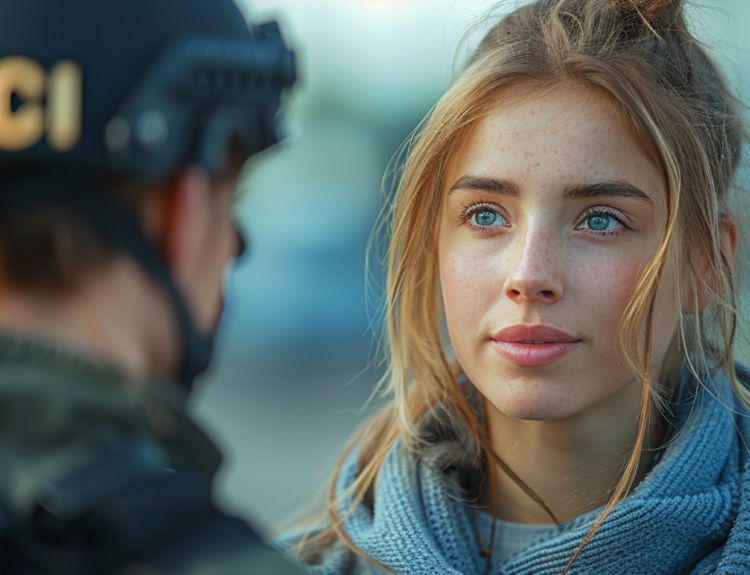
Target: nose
x=534, y=274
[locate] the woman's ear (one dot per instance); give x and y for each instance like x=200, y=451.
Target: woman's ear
x=730, y=235
x=707, y=282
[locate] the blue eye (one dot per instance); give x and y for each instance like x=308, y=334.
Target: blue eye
x=486, y=218
x=600, y=222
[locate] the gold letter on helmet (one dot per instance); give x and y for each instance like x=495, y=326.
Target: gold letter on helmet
x=64, y=103
x=24, y=127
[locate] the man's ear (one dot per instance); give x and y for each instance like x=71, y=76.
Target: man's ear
x=708, y=282
x=177, y=215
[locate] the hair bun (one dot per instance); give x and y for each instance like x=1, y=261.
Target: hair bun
x=651, y=10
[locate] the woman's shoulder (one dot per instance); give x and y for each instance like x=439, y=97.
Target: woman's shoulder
x=336, y=559
x=289, y=540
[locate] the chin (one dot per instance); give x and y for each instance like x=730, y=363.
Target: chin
x=532, y=412
x=534, y=400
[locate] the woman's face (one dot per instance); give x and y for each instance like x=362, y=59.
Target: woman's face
x=548, y=216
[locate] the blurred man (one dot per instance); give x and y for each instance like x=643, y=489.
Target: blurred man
x=123, y=127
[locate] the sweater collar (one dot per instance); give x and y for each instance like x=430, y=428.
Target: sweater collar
x=684, y=509
x=73, y=398
x=44, y=355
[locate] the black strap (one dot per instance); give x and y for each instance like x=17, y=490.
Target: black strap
x=123, y=230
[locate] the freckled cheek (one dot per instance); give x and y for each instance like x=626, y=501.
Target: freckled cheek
x=602, y=288
x=471, y=283
x=604, y=291
x=666, y=313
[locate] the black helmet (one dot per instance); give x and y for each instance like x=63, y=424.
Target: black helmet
x=96, y=89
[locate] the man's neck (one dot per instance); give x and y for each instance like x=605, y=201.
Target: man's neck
x=117, y=316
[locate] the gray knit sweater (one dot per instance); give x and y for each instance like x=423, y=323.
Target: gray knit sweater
x=691, y=514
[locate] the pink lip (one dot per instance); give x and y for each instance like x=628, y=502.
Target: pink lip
x=557, y=343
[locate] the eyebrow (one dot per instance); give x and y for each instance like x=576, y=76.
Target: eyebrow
x=501, y=187
x=609, y=189
x=614, y=189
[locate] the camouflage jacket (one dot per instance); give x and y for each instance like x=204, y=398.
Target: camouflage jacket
x=99, y=474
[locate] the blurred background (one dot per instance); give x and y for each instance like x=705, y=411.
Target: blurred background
x=290, y=379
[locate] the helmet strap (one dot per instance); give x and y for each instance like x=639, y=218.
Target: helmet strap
x=124, y=231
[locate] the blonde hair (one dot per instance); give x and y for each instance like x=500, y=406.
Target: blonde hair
x=641, y=55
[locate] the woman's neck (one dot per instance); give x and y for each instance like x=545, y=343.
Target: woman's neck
x=571, y=464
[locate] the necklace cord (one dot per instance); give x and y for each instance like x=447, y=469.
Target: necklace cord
x=492, y=545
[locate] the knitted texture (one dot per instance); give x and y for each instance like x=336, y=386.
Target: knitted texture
x=691, y=514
